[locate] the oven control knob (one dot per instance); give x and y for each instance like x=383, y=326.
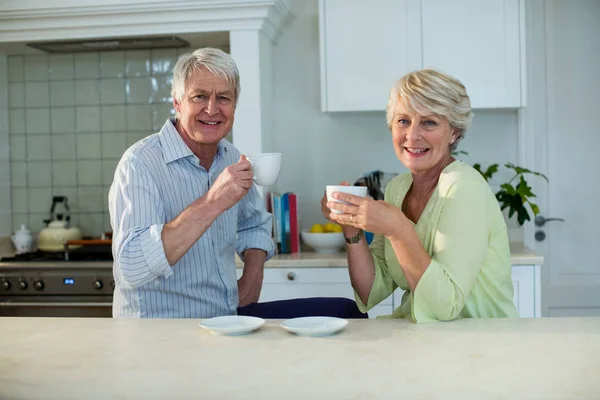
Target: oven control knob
x=98, y=284
x=6, y=285
x=38, y=285
x=22, y=285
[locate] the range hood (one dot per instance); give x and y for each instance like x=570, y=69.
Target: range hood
x=113, y=44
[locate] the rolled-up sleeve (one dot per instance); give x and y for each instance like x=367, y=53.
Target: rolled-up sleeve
x=459, y=251
x=255, y=225
x=383, y=285
x=137, y=218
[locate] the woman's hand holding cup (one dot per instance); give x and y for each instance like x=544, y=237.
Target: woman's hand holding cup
x=324, y=208
x=341, y=206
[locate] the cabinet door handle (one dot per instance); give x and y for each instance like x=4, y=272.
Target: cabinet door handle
x=291, y=276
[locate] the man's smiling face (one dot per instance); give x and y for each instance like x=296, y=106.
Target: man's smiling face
x=206, y=111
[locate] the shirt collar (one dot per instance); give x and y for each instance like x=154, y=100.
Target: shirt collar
x=175, y=148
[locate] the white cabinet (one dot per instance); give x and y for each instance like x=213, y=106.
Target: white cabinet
x=477, y=42
x=293, y=283
x=367, y=45
x=527, y=295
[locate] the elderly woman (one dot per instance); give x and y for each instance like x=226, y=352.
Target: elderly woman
x=439, y=233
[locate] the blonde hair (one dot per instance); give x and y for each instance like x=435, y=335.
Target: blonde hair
x=216, y=61
x=428, y=92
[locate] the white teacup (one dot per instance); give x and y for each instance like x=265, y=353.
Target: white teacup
x=355, y=190
x=265, y=167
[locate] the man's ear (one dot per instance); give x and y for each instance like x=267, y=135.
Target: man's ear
x=176, y=105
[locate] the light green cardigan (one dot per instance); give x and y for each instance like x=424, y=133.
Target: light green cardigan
x=463, y=230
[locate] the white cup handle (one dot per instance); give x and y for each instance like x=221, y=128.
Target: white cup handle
x=252, y=165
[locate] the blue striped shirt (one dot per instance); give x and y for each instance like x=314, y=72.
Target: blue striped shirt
x=156, y=179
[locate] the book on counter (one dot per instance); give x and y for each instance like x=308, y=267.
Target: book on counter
x=284, y=209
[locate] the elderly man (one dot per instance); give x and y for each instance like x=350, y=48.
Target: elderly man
x=183, y=202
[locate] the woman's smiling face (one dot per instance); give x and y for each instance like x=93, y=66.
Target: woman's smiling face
x=421, y=142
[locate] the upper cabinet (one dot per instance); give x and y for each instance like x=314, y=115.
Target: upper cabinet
x=367, y=45
x=479, y=43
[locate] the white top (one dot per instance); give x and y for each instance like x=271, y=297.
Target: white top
x=55, y=358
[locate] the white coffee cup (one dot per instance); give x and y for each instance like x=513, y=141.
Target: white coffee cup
x=355, y=190
x=265, y=167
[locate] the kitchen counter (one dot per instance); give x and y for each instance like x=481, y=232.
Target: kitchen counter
x=54, y=358
x=520, y=255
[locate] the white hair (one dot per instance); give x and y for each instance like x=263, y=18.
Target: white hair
x=428, y=92
x=216, y=61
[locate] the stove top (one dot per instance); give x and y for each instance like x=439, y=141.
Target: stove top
x=85, y=253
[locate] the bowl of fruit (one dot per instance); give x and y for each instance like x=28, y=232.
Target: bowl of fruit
x=324, y=238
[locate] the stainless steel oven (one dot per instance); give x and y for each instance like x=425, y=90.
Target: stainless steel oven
x=44, y=286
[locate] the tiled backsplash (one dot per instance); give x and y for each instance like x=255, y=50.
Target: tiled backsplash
x=71, y=117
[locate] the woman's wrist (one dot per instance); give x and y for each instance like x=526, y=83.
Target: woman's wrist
x=355, y=238
x=350, y=231
x=399, y=229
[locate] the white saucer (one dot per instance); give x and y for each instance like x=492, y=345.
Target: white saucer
x=232, y=324
x=314, y=326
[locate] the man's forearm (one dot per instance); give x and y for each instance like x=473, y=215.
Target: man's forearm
x=254, y=261
x=250, y=284
x=180, y=234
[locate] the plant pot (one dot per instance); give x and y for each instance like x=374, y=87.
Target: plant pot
x=515, y=231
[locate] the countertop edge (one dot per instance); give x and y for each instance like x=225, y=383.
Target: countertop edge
x=520, y=255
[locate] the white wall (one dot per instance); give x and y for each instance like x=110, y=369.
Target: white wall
x=320, y=149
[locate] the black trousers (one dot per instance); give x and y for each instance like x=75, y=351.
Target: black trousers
x=307, y=307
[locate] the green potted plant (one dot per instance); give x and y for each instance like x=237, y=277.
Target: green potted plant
x=513, y=197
